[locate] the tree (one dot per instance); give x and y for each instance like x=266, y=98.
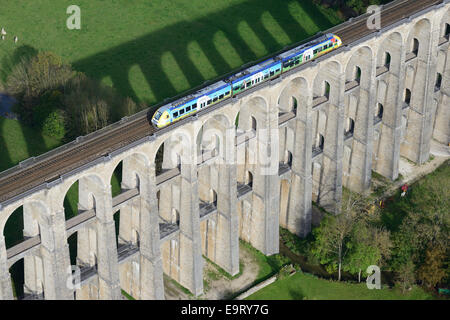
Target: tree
x=331, y=239
x=369, y=245
x=432, y=271
x=405, y=277
x=34, y=77
x=333, y=236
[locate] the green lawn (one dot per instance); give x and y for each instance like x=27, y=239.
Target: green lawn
x=305, y=286
x=19, y=142
x=148, y=50
x=428, y=194
x=151, y=50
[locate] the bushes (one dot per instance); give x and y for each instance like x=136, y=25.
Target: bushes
x=54, y=124
x=34, y=77
x=61, y=102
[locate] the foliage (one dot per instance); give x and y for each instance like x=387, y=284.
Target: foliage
x=331, y=241
x=432, y=271
x=369, y=245
x=333, y=238
x=34, y=77
x=405, y=276
x=51, y=95
x=54, y=124
x=358, y=6
x=426, y=222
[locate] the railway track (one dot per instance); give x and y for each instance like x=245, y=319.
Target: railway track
x=389, y=15
x=51, y=167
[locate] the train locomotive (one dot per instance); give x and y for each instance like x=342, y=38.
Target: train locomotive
x=244, y=80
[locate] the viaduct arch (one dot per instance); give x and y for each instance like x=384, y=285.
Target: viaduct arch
x=240, y=171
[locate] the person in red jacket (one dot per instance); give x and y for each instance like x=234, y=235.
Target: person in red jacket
x=404, y=189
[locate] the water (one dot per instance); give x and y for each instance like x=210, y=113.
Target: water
x=6, y=103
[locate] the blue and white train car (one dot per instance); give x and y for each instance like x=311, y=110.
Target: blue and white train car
x=189, y=105
x=245, y=79
x=254, y=75
x=308, y=51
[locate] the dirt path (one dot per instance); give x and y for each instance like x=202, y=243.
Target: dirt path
x=411, y=172
x=216, y=285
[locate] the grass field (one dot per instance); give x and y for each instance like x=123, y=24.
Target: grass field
x=19, y=142
x=151, y=50
x=429, y=193
x=305, y=286
x=148, y=50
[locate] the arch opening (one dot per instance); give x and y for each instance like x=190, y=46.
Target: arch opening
x=349, y=127
x=288, y=158
x=254, y=124
x=318, y=143
x=378, y=112
x=438, y=83
x=249, y=179
x=415, y=47
x=326, y=90
x=407, y=97
x=387, y=60
x=357, y=74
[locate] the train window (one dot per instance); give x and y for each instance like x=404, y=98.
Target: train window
x=175, y=114
x=315, y=51
x=236, y=88
x=248, y=84
x=181, y=111
x=297, y=62
x=272, y=73
x=194, y=106
x=221, y=96
x=188, y=108
x=266, y=76
x=253, y=82
x=278, y=70
x=227, y=93
x=209, y=102
x=215, y=99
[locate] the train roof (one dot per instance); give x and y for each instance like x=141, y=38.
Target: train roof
x=209, y=89
x=253, y=69
x=305, y=45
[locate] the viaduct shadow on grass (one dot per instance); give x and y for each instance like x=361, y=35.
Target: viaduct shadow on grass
x=221, y=41
x=5, y=158
x=9, y=62
x=17, y=141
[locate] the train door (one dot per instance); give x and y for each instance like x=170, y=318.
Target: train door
x=201, y=102
x=308, y=55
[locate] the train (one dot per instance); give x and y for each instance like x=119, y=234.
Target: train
x=244, y=80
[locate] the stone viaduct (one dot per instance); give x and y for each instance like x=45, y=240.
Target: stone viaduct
x=240, y=170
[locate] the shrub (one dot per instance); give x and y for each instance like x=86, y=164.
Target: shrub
x=88, y=104
x=54, y=124
x=33, y=77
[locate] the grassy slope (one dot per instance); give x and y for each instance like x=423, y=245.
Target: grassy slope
x=148, y=50
x=305, y=286
x=420, y=196
x=19, y=142
x=155, y=49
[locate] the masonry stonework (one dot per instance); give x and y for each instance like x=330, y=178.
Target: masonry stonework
x=239, y=171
